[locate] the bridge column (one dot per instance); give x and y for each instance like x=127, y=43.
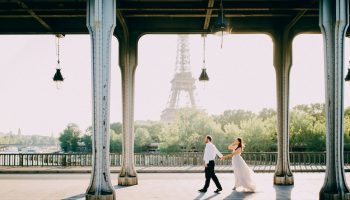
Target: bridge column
x=101, y=20
x=282, y=59
x=128, y=43
x=334, y=23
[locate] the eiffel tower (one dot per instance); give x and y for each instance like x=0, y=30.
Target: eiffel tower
x=182, y=83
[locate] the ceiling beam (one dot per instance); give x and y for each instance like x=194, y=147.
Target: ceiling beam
x=32, y=13
x=204, y=15
x=295, y=19
x=208, y=14
x=159, y=9
x=43, y=16
x=215, y=9
x=43, y=10
x=299, y=15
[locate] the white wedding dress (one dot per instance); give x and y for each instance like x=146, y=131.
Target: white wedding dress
x=243, y=174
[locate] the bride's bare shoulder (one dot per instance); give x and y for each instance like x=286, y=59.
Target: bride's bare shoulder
x=232, y=147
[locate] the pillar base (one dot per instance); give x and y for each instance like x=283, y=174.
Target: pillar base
x=127, y=180
x=334, y=196
x=100, y=197
x=283, y=180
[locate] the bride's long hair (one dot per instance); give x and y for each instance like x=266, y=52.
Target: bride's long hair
x=241, y=144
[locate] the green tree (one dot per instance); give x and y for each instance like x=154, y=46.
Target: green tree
x=316, y=110
x=235, y=116
x=267, y=113
x=188, y=131
x=115, y=144
x=256, y=136
x=117, y=127
x=69, y=138
x=142, y=139
x=87, y=140
x=306, y=133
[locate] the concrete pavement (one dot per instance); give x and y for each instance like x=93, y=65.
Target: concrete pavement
x=160, y=186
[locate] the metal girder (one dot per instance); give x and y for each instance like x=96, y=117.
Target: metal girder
x=214, y=9
x=160, y=9
x=43, y=16
x=204, y=15
x=207, y=18
x=297, y=17
x=32, y=13
x=208, y=14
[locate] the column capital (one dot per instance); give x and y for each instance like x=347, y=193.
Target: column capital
x=282, y=48
x=128, y=49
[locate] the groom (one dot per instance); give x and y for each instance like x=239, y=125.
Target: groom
x=210, y=153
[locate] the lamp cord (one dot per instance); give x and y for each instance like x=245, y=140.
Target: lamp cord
x=203, y=51
x=58, y=51
x=222, y=22
x=222, y=38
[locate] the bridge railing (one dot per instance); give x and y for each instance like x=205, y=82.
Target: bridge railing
x=161, y=159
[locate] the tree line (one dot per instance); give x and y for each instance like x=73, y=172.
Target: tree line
x=306, y=129
x=32, y=140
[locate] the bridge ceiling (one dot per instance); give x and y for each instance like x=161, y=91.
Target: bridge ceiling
x=158, y=16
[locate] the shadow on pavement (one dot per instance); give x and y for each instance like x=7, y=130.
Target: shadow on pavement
x=119, y=187
x=199, y=197
x=283, y=192
x=79, y=196
x=82, y=196
x=238, y=195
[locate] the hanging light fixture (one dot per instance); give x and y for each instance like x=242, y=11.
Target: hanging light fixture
x=347, y=77
x=221, y=27
x=204, y=75
x=58, y=78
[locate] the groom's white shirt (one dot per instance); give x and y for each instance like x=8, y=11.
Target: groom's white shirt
x=210, y=152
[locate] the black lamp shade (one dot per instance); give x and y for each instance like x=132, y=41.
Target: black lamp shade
x=221, y=26
x=347, y=77
x=204, y=75
x=58, y=76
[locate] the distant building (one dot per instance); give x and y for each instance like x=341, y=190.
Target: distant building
x=83, y=148
x=153, y=147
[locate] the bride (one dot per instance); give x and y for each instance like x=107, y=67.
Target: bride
x=243, y=174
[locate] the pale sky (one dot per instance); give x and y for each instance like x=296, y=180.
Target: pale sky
x=241, y=77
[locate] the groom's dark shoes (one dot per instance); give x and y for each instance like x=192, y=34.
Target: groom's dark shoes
x=202, y=190
x=218, y=191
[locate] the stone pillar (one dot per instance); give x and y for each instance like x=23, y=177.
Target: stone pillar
x=282, y=59
x=128, y=61
x=101, y=20
x=333, y=23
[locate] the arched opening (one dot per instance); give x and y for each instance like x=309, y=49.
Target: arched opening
x=34, y=113
x=239, y=99
x=307, y=95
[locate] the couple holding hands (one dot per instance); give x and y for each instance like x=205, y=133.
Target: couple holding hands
x=243, y=174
